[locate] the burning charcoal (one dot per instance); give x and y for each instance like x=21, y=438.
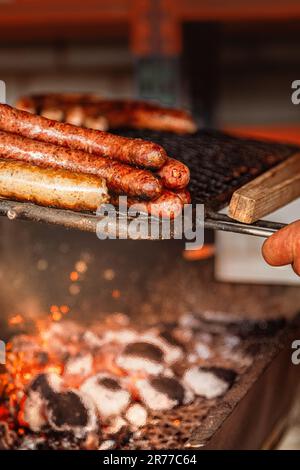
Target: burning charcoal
x=122, y=336
x=34, y=411
x=41, y=389
x=209, y=382
x=32, y=443
x=72, y=412
x=171, y=348
x=163, y=393
x=91, y=441
x=79, y=365
x=116, y=426
x=62, y=337
x=107, y=445
x=107, y=394
x=92, y=340
x=65, y=330
x=143, y=357
x=202, y=350
x=136, y=415
x=7, y=437
x=42, y=358
x=46, y=384
x=26, y=345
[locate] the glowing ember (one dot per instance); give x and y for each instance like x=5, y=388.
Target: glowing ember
x=16, y=320
x=98, y=384
x=74, y=276
x=116, y=294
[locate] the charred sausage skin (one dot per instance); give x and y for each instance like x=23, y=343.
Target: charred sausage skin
x=120, y=178
x=130, y=151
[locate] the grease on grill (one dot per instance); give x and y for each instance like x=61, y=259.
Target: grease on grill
x=219, y=163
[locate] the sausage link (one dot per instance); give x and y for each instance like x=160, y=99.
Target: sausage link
x=48, y=187
x=119, y=113
x=184, y=195
x=131, y=151
x=168, y=205
x=120, y=178
x=174, y=174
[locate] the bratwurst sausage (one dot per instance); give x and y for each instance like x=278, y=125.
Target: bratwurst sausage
x=168, y=205
x=48, y=187
x=118, y=113
x=120, y=178
x=131, y=151
x=174, y=174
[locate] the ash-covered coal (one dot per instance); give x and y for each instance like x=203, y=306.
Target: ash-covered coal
x=100, y=388
x=71, y=412
x=47, y=404
x=143, y=357
x=209, y=382
x=163, y=393
x=107, y=394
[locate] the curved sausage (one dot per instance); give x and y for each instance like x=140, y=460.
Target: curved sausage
x=74, y=115
x=168, y=205
x=47, y=187
x=120, y=178
x=174, y=174
x=131, y=151
x=119, y=113
x=184, y=195
x=283, y=247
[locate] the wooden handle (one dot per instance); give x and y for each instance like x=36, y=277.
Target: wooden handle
x=273, y=189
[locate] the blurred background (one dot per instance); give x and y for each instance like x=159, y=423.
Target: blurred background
x=231, y=62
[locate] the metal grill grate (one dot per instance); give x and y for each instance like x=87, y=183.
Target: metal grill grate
x=219, y=163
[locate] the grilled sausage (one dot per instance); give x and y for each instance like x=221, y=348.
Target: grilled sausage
x=184, y=195
x=40, y=100
x=75, y=115
x=284, y=247
x=167, y=205
x=174, y=174
x=132, y=151
x=48, y=187
x=120, y=178
x=119, y=113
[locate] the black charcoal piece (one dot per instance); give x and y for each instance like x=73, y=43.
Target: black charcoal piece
x=109, y=383
x=67, y=410
x=145, y=351
x=170, y=387
x=228, y=375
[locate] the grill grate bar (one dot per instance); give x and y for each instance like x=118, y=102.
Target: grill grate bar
x=219, y=163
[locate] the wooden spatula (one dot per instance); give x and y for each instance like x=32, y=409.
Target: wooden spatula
x=272, y=190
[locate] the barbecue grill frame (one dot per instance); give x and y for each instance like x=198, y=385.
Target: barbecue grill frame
x=214, y=197
x=87, y=222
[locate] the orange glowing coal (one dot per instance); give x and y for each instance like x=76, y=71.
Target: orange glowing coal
x=16, y=320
